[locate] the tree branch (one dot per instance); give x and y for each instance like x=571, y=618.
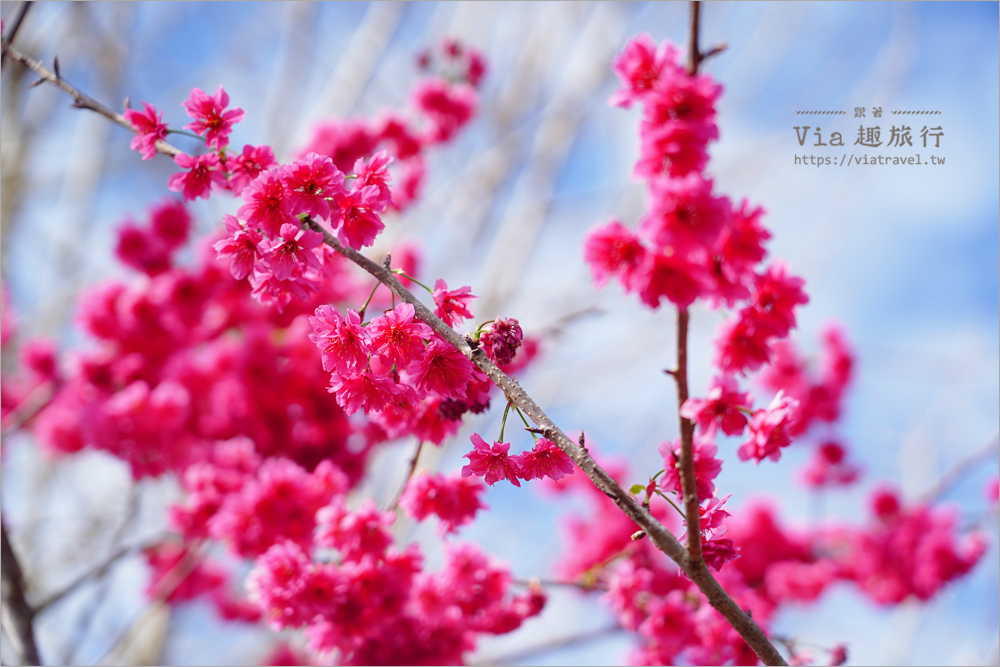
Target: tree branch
x=80, y=100
x=660, y=536
x=17, y=615
x=22, y=11
x=688, y=486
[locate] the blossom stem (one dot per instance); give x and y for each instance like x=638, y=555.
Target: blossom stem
x=534, y=436
x=504, y=422
x=400, y=272
x=679, y=511
x=185, y=133
x=361, y=313
x=409, y=476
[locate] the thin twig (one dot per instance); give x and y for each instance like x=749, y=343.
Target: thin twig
x=95, y=572
x=33, y=403
x=22, y=11
x=409, y=475
x=81, y=100
x=16, y=614
x=951, y=476
x=581, y=637
x=170, y=582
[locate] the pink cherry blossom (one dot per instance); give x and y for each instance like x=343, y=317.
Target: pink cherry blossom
x=443, y=370
x=343, y=342
x=502, y=340
x=363, y=390
x=375, y=173
x=769, y=430
x=241, y=246
x=203, y=172
x=211, y=118
x=706, y=466
x=455, y=500
x=544, y=460
x=639, y=66
x=358, y=224
x=398, y=337
x=724, y=406
x=267, y=204
x=293, y=252
x=491, y=462
x=244, y=167
x=311, y=182
x=149, y=129
x=614, y=250
x=452, y=305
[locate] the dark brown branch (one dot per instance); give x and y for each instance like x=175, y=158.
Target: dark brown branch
x=688, y=486
x=17, y=615
x=22, y=11
x=694, y=55
x=660, y=536
x=80, y=100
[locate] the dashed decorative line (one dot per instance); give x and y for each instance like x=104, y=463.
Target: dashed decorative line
x=933, y=113
x=827, y=113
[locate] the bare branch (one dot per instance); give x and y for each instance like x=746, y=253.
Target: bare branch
x=16, y=614
x=80, y=100
x=22, y=11
x=551, y=645
x=951, y=476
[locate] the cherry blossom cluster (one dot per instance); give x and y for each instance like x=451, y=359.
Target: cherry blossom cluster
x=375, y=605
x=494, y=462
x=692, y=244
x=398, y=372
x=339, y=180
x=900, y=552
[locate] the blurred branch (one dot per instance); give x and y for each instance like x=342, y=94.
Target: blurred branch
x=17, y=615
x=97, y=571
x=582, y=637
x=80, y=100
x=170, y=582
x=951, y=476
x=32, y=404
x=22, y=11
